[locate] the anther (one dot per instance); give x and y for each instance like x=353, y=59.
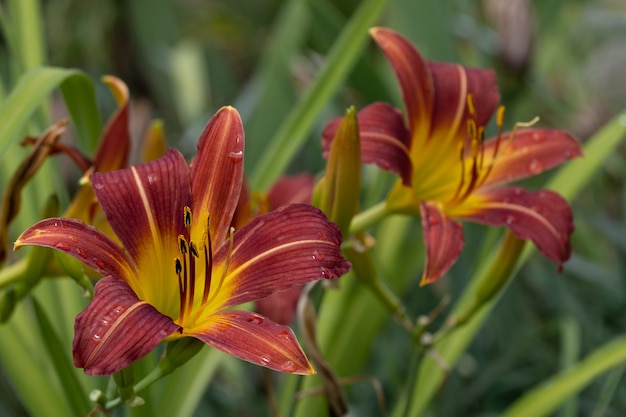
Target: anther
x=471, y=108
x=183, y=244
x=193, y=250
x=187, y=211
x=179, y=266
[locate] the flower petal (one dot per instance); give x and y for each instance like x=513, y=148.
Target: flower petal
x=296, y=189
x=414, y=77
x=544, y=217
x=290, y=246
x=86, y=243
x=384, y=139
x=255, y=339
x=444, y=242
x=217, y=171
x=112, y=153
x=116, y=329
x=280, y=306
x=453, y=83
x=144, y=205
x=528, y=152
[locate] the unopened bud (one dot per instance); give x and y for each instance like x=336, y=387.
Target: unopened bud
x=340, y=187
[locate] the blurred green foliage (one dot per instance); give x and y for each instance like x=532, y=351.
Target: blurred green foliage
x=562, y=60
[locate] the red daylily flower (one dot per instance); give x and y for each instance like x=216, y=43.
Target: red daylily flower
x=448, y=170
x=182, y=267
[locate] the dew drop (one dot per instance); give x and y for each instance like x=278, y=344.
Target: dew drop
x=317, y=255
x=433, y=219
x=509, y=219
x=538, y=137
x=118, y=310
x=96, y=337
x=100, y=263
x=322, y=236
x=327, y=273
x=62, y=246
x=105, y=321
x=236, y=156
x=81, y=253
x=265, y=360
x=283, y=335
x=255, y=320
x=73, y=238
x=535, y=166
x=288, y=366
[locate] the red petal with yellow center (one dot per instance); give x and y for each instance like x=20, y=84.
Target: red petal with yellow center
x=255, y=339
x=217, y=171
x=528, y=152
x=384, y=138
x=144, y=205
x=414, y=77
x=290, y=246
x=116, y=329
x=86, y=243
x=544, y=217
x=296, y=189
x=443, y=237
x=453, y=83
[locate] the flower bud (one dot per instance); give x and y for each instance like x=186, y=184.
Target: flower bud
x=339, y=195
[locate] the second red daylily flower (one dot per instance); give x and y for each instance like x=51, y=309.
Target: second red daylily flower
x=448, y=170
x=182, y=267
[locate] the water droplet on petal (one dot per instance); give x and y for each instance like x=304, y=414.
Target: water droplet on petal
x=118, y=310
x=100, y=263
x=73, y=238
x=433, y=219
x=317, y=255
x=509, y=219
x=284, y=334
x=288, y=366
x=62, y=246
x=327, y=273
x=265, y=360
x=538, y=137
x=535, y=166
x=255, y=320
x=322, y=236
x=236, y=156
x=81, y=252
x=96, y=337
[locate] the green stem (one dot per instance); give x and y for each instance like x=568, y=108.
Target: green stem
x=369, y=217
x=13, y=273
x=148, y=380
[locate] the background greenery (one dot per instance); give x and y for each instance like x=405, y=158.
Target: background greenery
x=183, y=60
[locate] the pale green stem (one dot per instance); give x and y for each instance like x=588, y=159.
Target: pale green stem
x=369, y=217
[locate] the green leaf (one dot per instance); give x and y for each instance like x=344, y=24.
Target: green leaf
x=72, y=389
x=31, y=91
x=545, y=398
x=293, y=132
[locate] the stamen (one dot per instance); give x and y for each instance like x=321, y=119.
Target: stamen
x=471, y=108
x=183, y=283
x=187, y=214
x=227, y=263
x=208, y=257
x=192, y=275
x=181, y=291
